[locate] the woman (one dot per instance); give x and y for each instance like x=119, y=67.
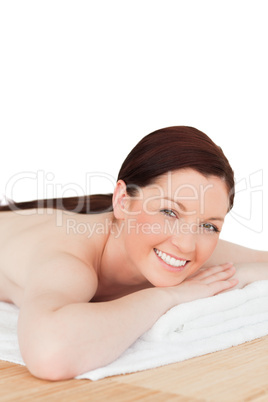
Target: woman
x=92, y=274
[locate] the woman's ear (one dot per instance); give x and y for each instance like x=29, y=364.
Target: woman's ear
x=119, y=197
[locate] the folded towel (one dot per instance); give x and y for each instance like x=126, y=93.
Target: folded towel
x=187, y=330
x=194, y=329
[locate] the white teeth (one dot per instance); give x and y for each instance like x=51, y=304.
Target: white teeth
x=170, y=260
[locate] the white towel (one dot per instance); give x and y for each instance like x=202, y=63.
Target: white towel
x=9, y=346
x=187, y=330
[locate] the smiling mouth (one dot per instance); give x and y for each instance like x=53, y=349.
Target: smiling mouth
x=169, y=260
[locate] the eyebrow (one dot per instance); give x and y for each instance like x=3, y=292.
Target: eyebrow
x=182, y=207
x=215, y=219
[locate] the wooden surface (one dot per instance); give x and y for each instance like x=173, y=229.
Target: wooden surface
x=236, y=374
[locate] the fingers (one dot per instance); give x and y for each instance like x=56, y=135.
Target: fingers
x=219, y=275
x=218, y=280
x=218, y=268
x=212, y=281
x=204, y=273
x=221, y=286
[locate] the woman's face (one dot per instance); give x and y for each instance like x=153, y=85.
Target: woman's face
x=172, y=227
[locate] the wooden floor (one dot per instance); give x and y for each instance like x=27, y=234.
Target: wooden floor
x=236, y=374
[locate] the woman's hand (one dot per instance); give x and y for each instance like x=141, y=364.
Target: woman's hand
x=205, y=283
x=247, y=273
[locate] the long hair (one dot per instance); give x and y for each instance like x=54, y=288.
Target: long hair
x=162, y=151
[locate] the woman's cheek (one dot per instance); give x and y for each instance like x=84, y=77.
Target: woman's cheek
x=206, y=246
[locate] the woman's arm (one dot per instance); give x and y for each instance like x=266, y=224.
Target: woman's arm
x=251, y=265
x=226, y=251
x=61, y=335
x=249, y=272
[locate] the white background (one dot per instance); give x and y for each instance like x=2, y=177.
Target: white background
x=81, y=82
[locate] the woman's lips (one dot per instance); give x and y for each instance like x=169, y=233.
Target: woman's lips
x=170, y=262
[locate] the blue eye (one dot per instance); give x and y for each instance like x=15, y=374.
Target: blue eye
x=168, y=212
x=210, y=228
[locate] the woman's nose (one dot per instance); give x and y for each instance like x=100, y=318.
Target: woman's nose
x=186, y=242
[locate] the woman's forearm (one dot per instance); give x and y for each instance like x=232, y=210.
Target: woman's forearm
x=111, y=327
x=226, y=251
x=83, y=336
x=247, y=273
x=65, y=342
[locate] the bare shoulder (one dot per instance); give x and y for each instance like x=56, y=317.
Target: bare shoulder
x=50, y=251
x=61, y=279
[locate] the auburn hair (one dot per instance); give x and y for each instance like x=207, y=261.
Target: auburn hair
x=162, y=151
